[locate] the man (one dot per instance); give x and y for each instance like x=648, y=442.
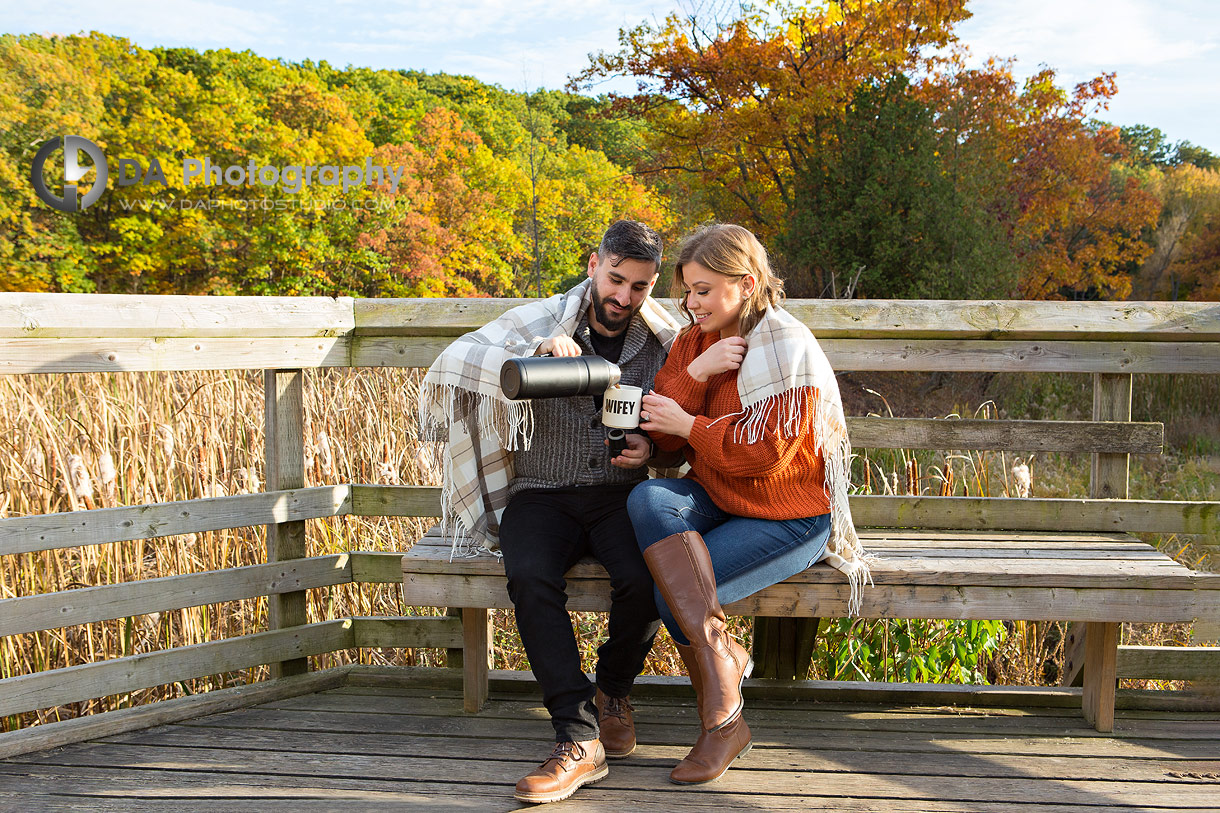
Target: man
x=565, y=496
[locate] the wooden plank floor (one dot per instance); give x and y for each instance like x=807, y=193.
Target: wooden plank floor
x=371, y=748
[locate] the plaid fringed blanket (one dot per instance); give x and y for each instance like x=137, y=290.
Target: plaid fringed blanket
x=783, y=363
x=461, y=405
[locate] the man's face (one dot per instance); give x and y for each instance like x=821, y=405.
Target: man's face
x=619, y=292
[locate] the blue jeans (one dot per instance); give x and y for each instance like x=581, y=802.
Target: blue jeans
x=747, y=554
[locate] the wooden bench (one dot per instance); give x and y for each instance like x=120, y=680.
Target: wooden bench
x=978, y=558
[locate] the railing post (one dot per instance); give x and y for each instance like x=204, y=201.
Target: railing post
x=285, y=439
x=1111, y=402
x=1108, y=480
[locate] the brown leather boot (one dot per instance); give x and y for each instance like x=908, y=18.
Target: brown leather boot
x=714, y=751
x=682, y=570
x=616, y=723
x=687, y=654
x=569, y=766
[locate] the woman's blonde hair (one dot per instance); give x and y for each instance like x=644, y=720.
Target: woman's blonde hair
x=734, y=252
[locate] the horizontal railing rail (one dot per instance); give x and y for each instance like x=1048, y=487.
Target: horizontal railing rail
x=105, y=602
x=39, y=316
x=74, y=684
x=68, y=529
x=59, y=333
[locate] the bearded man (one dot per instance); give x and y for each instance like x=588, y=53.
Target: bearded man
x=563, y=495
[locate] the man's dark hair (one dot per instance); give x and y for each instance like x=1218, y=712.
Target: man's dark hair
x=630, y=240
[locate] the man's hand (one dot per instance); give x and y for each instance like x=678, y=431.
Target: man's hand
x=635, y=455
x=721, y=357
x=558, y=346
x=661, y=413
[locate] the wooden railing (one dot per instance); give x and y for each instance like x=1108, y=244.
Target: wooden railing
x=69, y=333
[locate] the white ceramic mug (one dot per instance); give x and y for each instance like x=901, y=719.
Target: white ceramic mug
x=621, y=407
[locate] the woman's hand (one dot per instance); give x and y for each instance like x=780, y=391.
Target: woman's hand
x=721, y=357
x=559, y=346
x=659, y=413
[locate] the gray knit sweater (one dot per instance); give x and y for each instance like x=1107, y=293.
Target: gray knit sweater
x=568, y=446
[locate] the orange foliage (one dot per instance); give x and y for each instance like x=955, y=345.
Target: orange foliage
x=751, y=88
x=743, y=107
x=454, y=236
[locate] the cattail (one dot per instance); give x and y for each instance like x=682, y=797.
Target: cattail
x=151, y=625
x=947, y=482
x=215, y=490
x=426, y=461
x=78, y=478
x=109, y=478
x=912, y=476
x=1022, y=478
x=387, y=474
x=247, y=480
x=35, y=460
x=326, y=457
x=165, y=436
x=129, y=477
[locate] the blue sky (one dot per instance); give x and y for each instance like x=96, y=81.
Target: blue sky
x=1166, y=53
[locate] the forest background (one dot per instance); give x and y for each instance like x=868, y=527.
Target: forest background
x=851, y=137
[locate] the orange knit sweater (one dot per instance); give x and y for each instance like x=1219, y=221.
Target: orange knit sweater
x=774, y=478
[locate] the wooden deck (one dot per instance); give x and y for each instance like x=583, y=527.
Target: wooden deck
x=400, y=746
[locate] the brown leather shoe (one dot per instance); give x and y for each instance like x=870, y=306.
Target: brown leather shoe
x=713, y=753
x=616, y=723
x=569, y=766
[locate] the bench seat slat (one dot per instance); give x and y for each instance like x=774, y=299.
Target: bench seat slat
x=1086, y=574
x=433, y=536
x=930, y=574
x=977, y=602
x=946, y=547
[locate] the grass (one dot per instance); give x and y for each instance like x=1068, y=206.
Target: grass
x=70, y=442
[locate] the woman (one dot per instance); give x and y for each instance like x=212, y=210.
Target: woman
x=749, y=397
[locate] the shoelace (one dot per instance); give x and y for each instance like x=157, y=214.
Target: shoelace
x=617, y=707
x=567, y=750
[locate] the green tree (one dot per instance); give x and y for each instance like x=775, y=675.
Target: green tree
x=880, y=216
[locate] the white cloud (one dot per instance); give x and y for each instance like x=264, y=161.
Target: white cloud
x=1090, y=35
x=1165, y=55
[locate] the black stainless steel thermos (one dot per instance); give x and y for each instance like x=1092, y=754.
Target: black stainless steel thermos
x=557, y=376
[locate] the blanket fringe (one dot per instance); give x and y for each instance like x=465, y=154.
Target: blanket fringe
x=443, y=405
x=845, y=552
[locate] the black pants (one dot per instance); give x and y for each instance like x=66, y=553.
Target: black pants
x=542, y=534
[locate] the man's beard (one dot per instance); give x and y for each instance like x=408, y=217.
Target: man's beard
x=605, y=319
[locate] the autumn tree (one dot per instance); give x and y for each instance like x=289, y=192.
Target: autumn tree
x=1076, y=216
x=453, y=234
x=44, y=92
x=736, y=102
x=753, y=109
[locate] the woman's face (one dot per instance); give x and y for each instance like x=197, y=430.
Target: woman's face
x=715, y=300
